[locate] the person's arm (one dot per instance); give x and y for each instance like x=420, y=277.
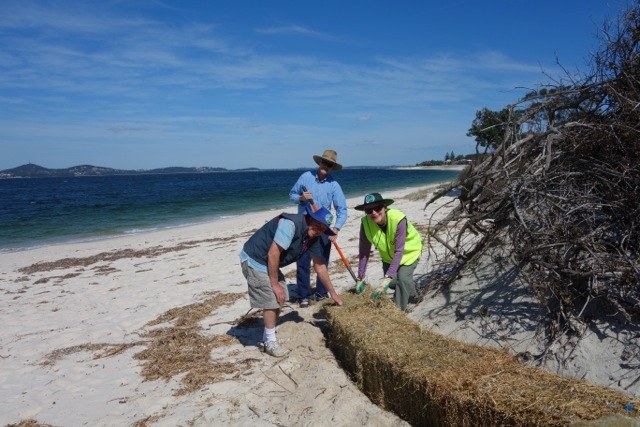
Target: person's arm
x=340, y=205
x=281, y=242
x=364, y=251
x=296, y=195
x=273, y=262
x=400, y=240
x=321, y=270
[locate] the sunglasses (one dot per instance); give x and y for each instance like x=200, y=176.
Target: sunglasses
x=376, y=208
x=327, y=163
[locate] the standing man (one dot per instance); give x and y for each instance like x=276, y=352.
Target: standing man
x=280, y=242
x=321, y=188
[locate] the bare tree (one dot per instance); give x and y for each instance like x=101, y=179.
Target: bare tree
x=562, y=187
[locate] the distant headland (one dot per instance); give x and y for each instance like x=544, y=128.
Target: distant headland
x=31, y=170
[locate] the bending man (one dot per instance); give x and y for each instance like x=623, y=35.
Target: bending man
x=280, y=242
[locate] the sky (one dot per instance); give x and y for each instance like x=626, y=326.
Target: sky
x=155, y=83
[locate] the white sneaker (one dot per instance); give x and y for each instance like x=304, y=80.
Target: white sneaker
x=274, y=349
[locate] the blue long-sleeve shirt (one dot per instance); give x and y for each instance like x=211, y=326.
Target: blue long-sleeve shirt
x=326, y=193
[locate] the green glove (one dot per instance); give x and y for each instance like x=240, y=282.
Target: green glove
x=360, y=286
x=384, y=284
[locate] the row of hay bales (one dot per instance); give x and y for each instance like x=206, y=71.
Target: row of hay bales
x=431, y=380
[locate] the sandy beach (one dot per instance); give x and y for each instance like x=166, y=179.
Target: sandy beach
x=156, y=329
x=77, y=317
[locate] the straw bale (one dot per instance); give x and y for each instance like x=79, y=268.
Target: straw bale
x=429, y=379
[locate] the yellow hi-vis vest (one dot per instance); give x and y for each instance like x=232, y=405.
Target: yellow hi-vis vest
x=386, y=242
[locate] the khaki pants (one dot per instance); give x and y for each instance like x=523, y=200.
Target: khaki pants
x=260, y=293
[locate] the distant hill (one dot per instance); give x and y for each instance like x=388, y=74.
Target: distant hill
x=35, y=171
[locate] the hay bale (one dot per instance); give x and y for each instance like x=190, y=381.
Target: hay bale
x=428, y=379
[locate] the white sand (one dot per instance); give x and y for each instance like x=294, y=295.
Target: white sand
x=112, y=302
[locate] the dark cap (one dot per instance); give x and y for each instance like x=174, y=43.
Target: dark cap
x=372, y=199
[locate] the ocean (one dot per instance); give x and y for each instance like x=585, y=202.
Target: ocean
x=42, y=211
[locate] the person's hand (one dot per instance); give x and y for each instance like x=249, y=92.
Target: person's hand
x=337, y=299
x=306, y=196
x=334, y=237
x=360, y=286
x=279, y=293
x=382, y=288
x=384, y=284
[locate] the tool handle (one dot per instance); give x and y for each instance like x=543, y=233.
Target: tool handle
x=313, y=204
x=345, y=261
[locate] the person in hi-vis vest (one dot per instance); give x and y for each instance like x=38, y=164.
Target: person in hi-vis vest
x=397, y=241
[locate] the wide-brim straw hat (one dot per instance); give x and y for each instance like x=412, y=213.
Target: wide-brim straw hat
x=372, y=199
x=330, y=156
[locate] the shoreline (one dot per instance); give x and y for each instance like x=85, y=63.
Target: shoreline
x=440, y=167
x=166, y=226
x=206, y=227
x=79, y=319
x=85, y=325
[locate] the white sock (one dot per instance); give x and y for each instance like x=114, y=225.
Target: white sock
x=269, y=335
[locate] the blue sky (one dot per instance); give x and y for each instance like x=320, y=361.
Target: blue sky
x=233, y=84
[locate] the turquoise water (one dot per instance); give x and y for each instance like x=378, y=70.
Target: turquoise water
x=41, y=211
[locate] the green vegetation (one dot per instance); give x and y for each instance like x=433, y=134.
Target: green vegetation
x=490, y=127
x=452, y=159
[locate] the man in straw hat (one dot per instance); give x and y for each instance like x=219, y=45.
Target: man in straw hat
x=398, y=242
x=280, y=242
x=321, y=188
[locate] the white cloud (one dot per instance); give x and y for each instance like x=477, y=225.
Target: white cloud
x=88, y=74
x=293, y=29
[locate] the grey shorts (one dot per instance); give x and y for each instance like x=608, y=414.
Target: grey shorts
x=260, y=293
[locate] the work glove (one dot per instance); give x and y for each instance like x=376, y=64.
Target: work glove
x=385, y=283
x=383, y=287
x=360, y=286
